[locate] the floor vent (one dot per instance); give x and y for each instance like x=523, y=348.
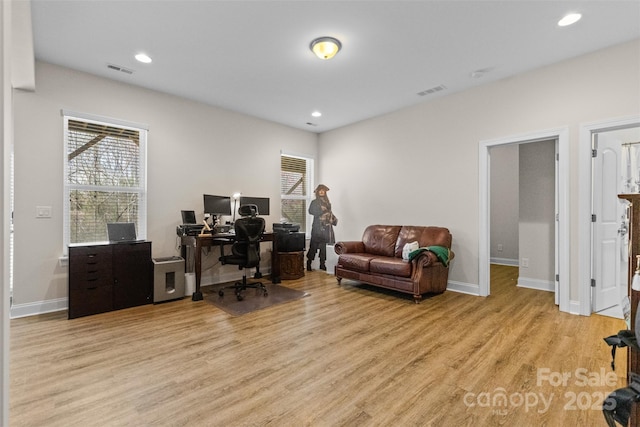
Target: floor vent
x=432, y=90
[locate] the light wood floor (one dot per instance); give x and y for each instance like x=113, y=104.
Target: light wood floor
x=343, y=356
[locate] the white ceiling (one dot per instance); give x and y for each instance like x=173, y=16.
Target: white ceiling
x=253, y=56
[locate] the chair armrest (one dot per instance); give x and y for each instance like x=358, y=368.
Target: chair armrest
x=348, y=247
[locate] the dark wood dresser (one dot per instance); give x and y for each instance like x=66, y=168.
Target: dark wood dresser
x=107, y=277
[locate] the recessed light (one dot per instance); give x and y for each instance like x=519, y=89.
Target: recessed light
x=316, y=114
x=568, y=19
x=144, y=58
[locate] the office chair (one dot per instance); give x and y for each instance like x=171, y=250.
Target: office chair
x=245, y=251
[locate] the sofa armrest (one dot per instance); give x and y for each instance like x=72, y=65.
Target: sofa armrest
x=428, y=259
x=348, y=247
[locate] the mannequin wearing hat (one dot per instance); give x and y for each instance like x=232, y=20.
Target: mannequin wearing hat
x=322, y=227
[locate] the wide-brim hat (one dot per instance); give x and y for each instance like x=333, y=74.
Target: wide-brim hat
x=321, y=187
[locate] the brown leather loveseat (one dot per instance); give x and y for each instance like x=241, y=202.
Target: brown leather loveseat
x=377, y=259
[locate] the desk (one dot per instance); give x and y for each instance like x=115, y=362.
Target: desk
x=208, y=240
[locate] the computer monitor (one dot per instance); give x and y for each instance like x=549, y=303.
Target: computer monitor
x=188, y=217
x=217, y=205
x=261, y=202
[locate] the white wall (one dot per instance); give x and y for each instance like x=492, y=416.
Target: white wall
x=420, y=165
x=415, y=166
x=192, y=149
x=537, y=214
x=505, y=196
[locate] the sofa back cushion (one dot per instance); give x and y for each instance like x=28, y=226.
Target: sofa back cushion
x=425, y=236
x=381, y=239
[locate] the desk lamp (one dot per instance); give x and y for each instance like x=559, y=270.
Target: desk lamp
x=235, y=196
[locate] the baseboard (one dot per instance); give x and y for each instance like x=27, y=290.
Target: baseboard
x=504, y=261
x=463, y=288
x=575, y=308
x=61, y=304
x=541, y=285
x=39, y=307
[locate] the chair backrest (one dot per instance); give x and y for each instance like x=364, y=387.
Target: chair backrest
x=248, y=235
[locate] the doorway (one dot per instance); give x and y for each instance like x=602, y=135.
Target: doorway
x=562, y=278
x=585, y=207
x=523, y=212
x=615, y=169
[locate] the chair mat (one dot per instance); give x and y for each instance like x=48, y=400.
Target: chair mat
x=253, y=299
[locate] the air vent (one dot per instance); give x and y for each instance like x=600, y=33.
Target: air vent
x=311, y=124
x=432, y=90
x=119, y=68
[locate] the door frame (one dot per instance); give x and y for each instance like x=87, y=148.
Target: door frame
x=562, y=187
x=585, y=199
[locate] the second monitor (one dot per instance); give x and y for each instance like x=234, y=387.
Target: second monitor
x=261, y=202
x=217, y=205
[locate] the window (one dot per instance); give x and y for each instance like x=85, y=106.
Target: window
x=105, y=178
x=296, y=188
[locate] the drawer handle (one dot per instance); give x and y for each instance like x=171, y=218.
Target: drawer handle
x=92, y=255
x=93, y=288
x=91, y=280
x=92, y=271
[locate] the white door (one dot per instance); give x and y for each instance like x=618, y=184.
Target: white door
x=609, y=253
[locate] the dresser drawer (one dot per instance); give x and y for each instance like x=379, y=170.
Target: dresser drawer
x=89, y=259
x=89, y=280
x=93, y=300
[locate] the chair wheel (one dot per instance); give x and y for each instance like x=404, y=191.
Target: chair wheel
x=266, y=294
x=240, y=297
x=221, y=292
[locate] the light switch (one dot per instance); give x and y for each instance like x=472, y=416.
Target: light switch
x=43, y=211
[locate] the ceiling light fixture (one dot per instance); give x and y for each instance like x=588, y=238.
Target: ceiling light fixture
x=144, y=58
x=316, y=114
x=568, y=19
x=325, y=47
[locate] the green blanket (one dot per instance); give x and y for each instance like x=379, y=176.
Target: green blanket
x=440, y=251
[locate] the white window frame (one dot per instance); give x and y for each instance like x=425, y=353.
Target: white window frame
x=141, y=189
x=310, y=164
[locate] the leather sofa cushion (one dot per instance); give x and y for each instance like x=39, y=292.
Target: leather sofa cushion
x=381, y=239
x=356, y=262
x=425, y=236
x=392, y=266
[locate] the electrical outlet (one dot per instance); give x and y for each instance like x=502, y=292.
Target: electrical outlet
x=525, y=263
x=499, y=247
x=43, y=211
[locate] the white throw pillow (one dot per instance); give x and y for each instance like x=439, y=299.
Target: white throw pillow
x=408, y=248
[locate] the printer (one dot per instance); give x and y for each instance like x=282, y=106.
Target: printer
x=288, y=238
x=285, y=227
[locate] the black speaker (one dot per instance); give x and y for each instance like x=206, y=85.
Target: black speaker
x=290, y=242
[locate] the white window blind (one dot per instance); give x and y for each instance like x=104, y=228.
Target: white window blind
x=295, y=188
x=105, y=178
